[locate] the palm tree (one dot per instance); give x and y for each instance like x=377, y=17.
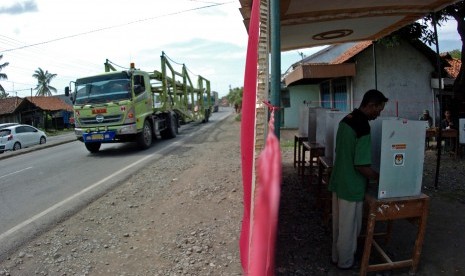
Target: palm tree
x=43, y=82
x=3, y=76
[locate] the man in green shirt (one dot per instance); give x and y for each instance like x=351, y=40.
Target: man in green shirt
x=350, y=175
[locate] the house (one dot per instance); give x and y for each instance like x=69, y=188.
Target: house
x=339, y=75
x=10, y=109
x=35, y=111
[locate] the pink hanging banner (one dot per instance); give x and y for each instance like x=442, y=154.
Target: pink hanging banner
x=266, y=207
x=248, y=128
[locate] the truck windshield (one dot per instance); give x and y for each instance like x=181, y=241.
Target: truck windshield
x=102, y=90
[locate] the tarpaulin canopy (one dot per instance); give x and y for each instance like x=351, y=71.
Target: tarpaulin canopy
x=306, y=23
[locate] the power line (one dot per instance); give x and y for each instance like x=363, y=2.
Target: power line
x=122, y=67
x=170, y=59
x=38, y=52
x=117, y=26
x=200, y=1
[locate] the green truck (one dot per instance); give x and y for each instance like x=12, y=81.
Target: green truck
x=137, y=106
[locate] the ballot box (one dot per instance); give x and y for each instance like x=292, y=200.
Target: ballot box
x=398, y=148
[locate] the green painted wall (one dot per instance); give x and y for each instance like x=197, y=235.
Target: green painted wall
x=298, y=94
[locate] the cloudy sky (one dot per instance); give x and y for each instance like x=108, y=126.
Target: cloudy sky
x=73, y=38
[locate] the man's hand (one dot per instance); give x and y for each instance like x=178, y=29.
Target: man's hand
x=368, y=172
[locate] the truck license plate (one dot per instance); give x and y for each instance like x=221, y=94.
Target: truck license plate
x=95, y=137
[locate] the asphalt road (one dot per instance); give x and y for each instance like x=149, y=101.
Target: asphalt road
x=47, y=183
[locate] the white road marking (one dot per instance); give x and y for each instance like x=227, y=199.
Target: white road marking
x=64, y=202
x=16, y=172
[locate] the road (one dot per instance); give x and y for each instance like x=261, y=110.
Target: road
x=41, y=187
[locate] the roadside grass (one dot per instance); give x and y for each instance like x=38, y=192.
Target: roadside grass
x=55, y=132
x=286, y=143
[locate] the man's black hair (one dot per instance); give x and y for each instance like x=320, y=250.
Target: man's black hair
x=373, y=96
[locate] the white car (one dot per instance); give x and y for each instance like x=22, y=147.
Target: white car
x=4, y=125
x=20, y=136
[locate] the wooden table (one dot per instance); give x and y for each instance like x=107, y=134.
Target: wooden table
x=414, y=208
x=452, y=134
x=298, y=140
x=316, y=150
x=431, y=132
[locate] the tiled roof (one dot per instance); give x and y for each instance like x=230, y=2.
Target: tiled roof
x=8, y=105
x=351, y=52
x=454, y=68
x=50, y=103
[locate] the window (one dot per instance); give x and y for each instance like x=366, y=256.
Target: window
x=285, y=98
x=5, y=132
x=325, y=95
x=340, y=94
x=334, y=94
x=21, y=129
x=29, y=129
x=139, y=86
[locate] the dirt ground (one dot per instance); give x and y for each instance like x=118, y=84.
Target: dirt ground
x=304, y=241
x=182, y=216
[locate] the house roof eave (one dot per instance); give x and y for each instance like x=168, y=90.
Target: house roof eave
x=315, y=73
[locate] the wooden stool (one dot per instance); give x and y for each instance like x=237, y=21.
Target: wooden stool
x=316, y=150
x=298, y=140
x=391, y=209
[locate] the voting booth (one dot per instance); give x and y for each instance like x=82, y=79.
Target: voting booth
x=398, y=148
x=303, y=119
x=312, y=122
x=332, y=124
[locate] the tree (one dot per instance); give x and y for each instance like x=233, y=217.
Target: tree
x=456, y=53
x=3, y=76
x=424, y=31
x=456, y=11
x=43, y=82
x=235, y=97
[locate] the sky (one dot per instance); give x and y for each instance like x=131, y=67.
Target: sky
x=73, y=39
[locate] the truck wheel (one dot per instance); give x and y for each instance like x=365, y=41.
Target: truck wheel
x=144, y=138
x=207, y=116
x=171, y=127
x=93, y=147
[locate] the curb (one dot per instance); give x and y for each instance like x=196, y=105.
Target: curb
x=9, y=154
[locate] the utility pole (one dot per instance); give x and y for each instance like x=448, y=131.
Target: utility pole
x=276, y=63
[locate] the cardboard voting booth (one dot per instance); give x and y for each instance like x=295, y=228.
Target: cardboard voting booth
x=323, y=125
x=332, y=124
x=303, y=119
x=320, y=131
x=398, y=148
x=312, y=122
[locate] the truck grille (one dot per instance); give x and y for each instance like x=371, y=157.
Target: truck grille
x=106, y=120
